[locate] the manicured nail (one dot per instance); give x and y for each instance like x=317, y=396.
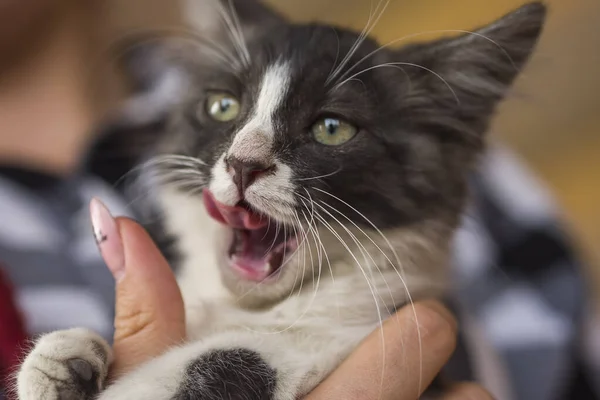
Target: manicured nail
x=108, y=238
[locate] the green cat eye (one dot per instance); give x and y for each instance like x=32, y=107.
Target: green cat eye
x=333, y=131
x=222, y=107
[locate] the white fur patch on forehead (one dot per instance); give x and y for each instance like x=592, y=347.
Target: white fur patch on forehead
x=274, y=86
x=255, y=139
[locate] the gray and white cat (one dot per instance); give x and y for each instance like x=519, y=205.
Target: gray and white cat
x=312, y=180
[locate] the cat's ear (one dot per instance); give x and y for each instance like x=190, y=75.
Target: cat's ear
x=471, y=73
x=156, y=83
x=229, y=21
x=158, y=68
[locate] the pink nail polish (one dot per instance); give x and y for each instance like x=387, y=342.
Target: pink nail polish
x=108, y=238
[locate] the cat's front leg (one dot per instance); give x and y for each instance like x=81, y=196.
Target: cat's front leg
x=232, y=365
x=65, y=365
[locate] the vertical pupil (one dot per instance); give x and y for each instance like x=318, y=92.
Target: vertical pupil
x=224, y=105
x=332, y=125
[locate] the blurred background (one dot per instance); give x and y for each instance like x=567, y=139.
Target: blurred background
x=552, y=121
x=58, y=79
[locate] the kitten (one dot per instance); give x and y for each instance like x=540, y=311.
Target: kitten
x=312, y=181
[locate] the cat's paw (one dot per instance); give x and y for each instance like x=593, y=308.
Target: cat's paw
x=65, y=365
x=233, y=373
x=230, y=365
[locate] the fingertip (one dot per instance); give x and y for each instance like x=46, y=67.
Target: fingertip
x=437, y=322
x=108, y=238
x=437, y=325
x=441, y=311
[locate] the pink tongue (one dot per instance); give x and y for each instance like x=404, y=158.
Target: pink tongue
x=251, y=256
x=234, y=216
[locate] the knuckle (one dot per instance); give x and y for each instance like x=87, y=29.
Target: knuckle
x=131, y=323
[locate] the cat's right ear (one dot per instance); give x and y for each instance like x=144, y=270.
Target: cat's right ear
x=471, y=73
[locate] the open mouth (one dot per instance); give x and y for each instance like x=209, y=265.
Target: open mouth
x=260, y=245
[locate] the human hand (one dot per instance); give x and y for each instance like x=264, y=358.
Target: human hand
x=150, y=319
x=150, y=316
x=407, y=364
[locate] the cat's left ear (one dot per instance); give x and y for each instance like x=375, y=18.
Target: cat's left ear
x=228, y=21
x=479, y=66
x=158, y=69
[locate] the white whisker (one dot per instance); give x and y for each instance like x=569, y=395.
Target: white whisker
x=183, y=35
x=394, y=64
x=362, y=37
x=321, y=176
x=240, y=32
x=398, y=270
x=234, y=31
x=371, y=54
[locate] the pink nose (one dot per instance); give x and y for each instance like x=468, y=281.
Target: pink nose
x=235, y=216
x=245, y=173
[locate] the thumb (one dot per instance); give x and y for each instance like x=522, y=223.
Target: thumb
x=150, y=315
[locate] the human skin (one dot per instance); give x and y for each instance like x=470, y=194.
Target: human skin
x=150, y=319
x=51, y=67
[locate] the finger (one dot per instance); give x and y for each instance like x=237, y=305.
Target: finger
x=467, y=391
x=414, y=354
x=150, y=315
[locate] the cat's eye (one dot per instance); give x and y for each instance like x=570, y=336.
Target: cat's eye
x=333, y=131
x=222, y=107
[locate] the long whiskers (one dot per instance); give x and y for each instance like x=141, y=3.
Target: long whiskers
x=322, y=176
x=173, y=170
x=397, y=266
x=395, y=64
x=315, y=291
x=374, y=17
x=371, y=54
x=183, y=35
x=234, y=31
x=369, y=284
x=170, y=160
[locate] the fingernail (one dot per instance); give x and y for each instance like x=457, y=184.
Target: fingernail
x=108, y=238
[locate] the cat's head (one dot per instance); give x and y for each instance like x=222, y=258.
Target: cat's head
x=276, y=131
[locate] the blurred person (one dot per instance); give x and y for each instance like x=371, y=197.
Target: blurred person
x=49, y=265
x=513, y=259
